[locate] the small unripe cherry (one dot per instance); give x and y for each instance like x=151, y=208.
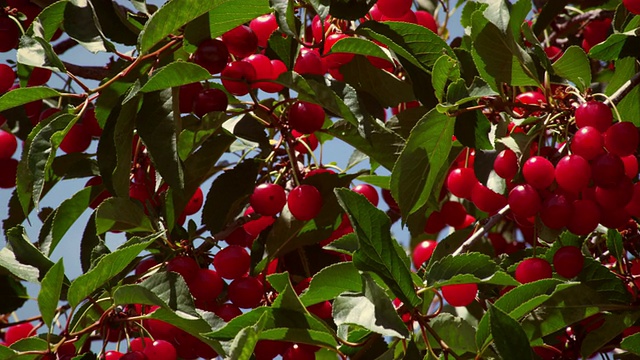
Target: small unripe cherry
x=533, y=269
x=305, y=202
x=568, y=261
x=459, y=294
x=422, y=252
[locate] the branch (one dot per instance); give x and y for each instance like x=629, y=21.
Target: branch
x=88, y=72
x=624, y=90
x=64, y=45
x=478, y=234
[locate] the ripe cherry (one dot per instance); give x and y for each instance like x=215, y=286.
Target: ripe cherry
x=305, y=202
x=206, y=285
x=453, y=213
x=269, y=349
x=597, y=31
x=103, y=195
x=297, y=352
x=533, y=269
x=277, y=68
x=232, y=262
x=568, y=261
x=538, y=172
x=633, y=207
x=573, y=173
x=268, y=199
x=241, y=41
x=134, y=355
x=255, y=227
x=553, y=52
x=185, y=266
x=615, y=197
x=335, y=60
x=529, y=98
x=427, y=20
x=161, y=350
x=621, y=138
x=144, y=266
x=630, y=166
x=309, y=62
x=595, y=114
x=7, y=78
x=607, y=170
x=587, y=142
x=237, y=76
x=18, y=332
x=112, y=355
x=212, y=54
x=195, y=203
x=461, y=182
x=556, y=211
x=77, y=139
x=409, y=17
x=139, y=343
x=262, y=66
x=435, y=223
x=632, y=5
x=9, y=34
x=188, y=94
x=90, y=122
x=506, y=164
x=305, y=142
x=524, y=201
x=422, y=252
x=209, y=100
x=8, y=174
x=228, y=312
x=39, y=76
x=8, y=144
x=459, y=294
x=486, y=199
x=306, y=117
x=585, y=216
x=394, y=8
x=263, y=26
x=246, y=292
x=368, y=191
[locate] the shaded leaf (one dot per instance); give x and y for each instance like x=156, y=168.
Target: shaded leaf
x=511, y=341
x=324, y=286
x=445, y=68
x=617, y=46
x=614, y=244
x=602, y=280
x=612, y=326
x=25, y=252
x=456, y=332
x=120, y=214
x=631, y=344
x=50, y=291
x=81, y=24
x=175, y=74
x=14, y=294
x=21, y=96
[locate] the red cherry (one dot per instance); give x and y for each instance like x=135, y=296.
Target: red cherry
x=103, y=195
x=595, y=114
x=239, y=237
x=264, y=70
x=8, y=174
x=255, y=227
x=228, y=312
x=263, y=26
x=585, y=217
x=506, y=164
x=161, y=350
x=144, y=266
x=408, y=17
x=556, y=211
x=268, y=199
x=630, y=166
x=90, y=122
x=134, y=355
x=553, y=52
x=524, y=201
x=232, y=262
x=77, y=139
x=306, y=117
x=422, y=252
x=310, y=140
x=277, y=68
x=435, y=223
x=140, y=343
x=607, y=170
x=632, y=5
x=588, y=143
x=7, y=77
x=8, y=144
x=453, y=213
x=206, y=285
x=305, y=202
x=461, y=182
x=39, y=76
x=185, y=266
x=18, y=332
x=309, y=62
x=538, y=172
x=615, y=197
x=241, y=41
x=113, y=355
x=269, y=349
x=568, y=261
x=460, y=294
x=368, y=191
x=621, y=138
x=486, y=199
x=212, y=54
x=573, y=173
x=533, y=269
x=246, y=292
x=388, y=198
x=633, y=207
x=427, y=20
x=394, y=8
x=335, y=60
x=297, y=352
x=188, y=94
x=209, y=100
x=237, y=76
x=597, y=31
x=529, y=98
x=9, y=34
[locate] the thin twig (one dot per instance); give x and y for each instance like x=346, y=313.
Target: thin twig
x=483, y=230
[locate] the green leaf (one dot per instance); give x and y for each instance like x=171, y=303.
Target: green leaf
x=48, y=21
x=445, y=68
x=377, y=251
x=21, y=96
x=575, y=67
x=285, y=16
x=157, y=129
x=81, y=24
x=455, y=331
x=14, y=294
x=109, y=266
x=225, y=14
x=427, y=149
x=417, y=44
x=117, y=25
x=481, y=266
x=472, y=130
x=121, y=215
x=602, y=280
x=10, y=263
x=614, y=244
x=359, y=46
x=37, y=52
x=25, y=252
x=548, y=14
x=175, y=74
x=227, y=195
x=90, y=241
x=7, y=353
x=244, y=343
x=511, y=341
x=631, y=344
x=613, y=325
x=630, y=105
x=324, y=286
x=50, y=291
x=371, y=309
x=617, y=46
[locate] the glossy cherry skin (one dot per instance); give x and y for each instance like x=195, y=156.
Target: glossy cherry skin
x=595, y=114
x=305, y=202
x=241, y=41
x=632, y=5
x=422, y=252
x=263, y=26
x=268, y=199
x=461, y=182
x=18, y=332
x=246, y=292
x=533, y=269
x=506, y=164
x=237, y=77
x=306, y=117
x=568, y=261
x=524, y=201
x=7, y=78
x=77, y=139
x=212, y=54
x=394, y=8
x=232, y=262
x=459, y=294
x=427, y=20
x=368, y=191
x=8, y=144
x=209, y=100
x=621, y=139
x=538, y=172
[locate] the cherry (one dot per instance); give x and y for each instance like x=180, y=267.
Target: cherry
x=206, y=285
x=630, y=166
x=524, y=201
x=232, y=262
x=209, y=100
x=461, y=182
x=422, y=252
x=573, y=173
x=39, y=76
x=394, y=8
x=319, y=28
x=409, y=17
x=621, y=138
x=633, y=6
x=185, y=266
x=77, y=139
x=553, y=52
x=556, y=211
x=134, y=355
x=188, y=94
x=405, y=315
x=241, y=41
x=8, y=144
x=506, y=164
x=9, y=34
x=309, y=62
x=595, y=114
x=633, y=207
x=529, y=98
x=268, y=199
x=453, y=213
x=255, y=227
x=8, y=174
x=538, y=172
x=587, y=142
x=228, y=312
x=323, y=310
x=18, y=332
x=161, y=350
x=269, y=349
x=568, y=261
x=195, y=203
x=262, y=66
x=585, y=217
x=459, y=294
x=102, y=196
x=388, y=198
x=368, y=191
x=468, y=221
x=277, y=68
x=435, y=223
x=486, y=199
x=212, y=54
x=144, y=266
x=533, y=269
x=140, y=192
x=306, y=117
x=310, y=140
x=90, y=122
x=140, y=343
x=427, y=20
x=263, y=26
x=297, y=352
x=7, y=78
x=305, y=202
x=246, y=292
x=597, y=31
x=112, y=355
x=615, y=197
x=237, y=76
x=607, y=170
x=335, y=60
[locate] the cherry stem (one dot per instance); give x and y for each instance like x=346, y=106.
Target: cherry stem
x=491, y=222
